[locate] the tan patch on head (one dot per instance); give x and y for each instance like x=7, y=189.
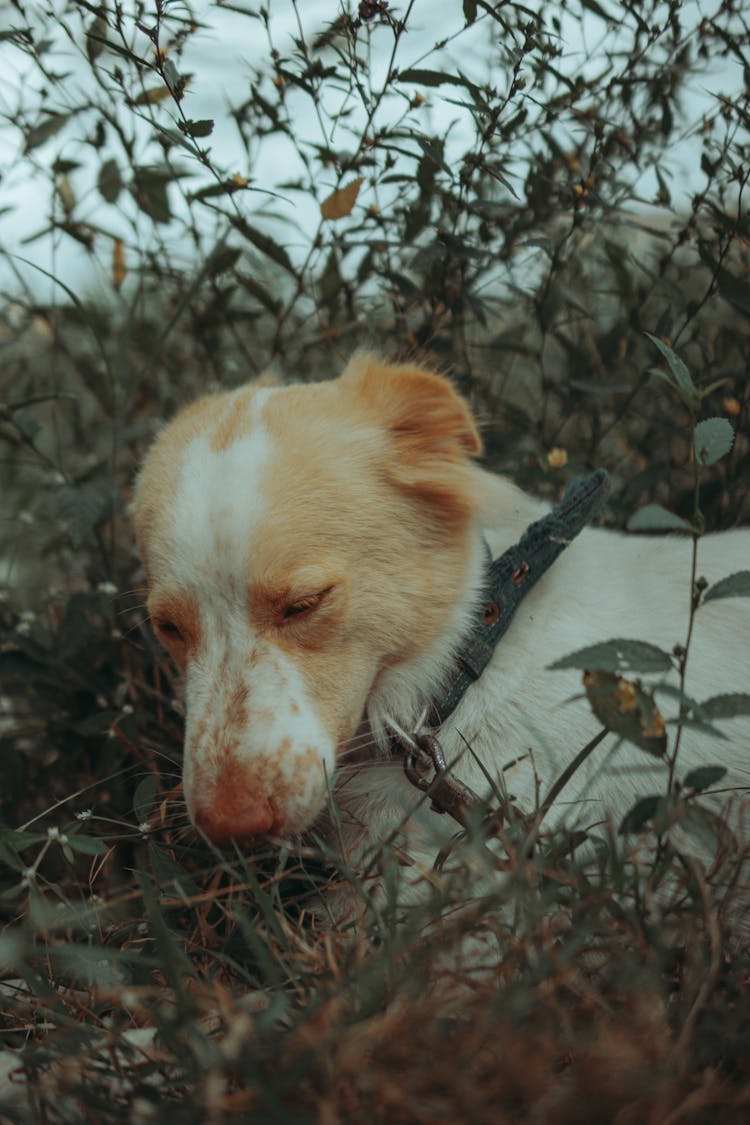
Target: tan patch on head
x=368, y=489
x=235, y=423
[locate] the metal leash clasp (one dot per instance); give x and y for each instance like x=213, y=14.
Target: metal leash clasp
x=425, y=768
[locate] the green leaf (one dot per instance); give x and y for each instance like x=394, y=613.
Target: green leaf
x=470, y=11
x=109, y=181
x=626, y=709
x=618, y=655
x=653, y=517
x=222, y=259
x=144, y=798
x=703, y=777
x=735, y=585
x=202, y=128
x=712, y=438
x=642, y=811
x=428, y=77
x=597, y=9
x=729, y=706
x=96, y=38
x=149, y=190
x=439, y=78
x=264, y=243
x=261, y=294
x=45, y=129
x=679, y=371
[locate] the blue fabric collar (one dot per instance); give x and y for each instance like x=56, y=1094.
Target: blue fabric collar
x=509, y=579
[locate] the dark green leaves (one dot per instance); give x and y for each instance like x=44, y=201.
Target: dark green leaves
x=618, y=655
x=729, y=706
x=202, y=128
x=264, y=243
x=704, y=777
x=733, y=586
x=149, y=190
x=470, y=11
x=653, y=517
x=109, y=181
x=45, y=129
x=678, y=372
x=641, y=813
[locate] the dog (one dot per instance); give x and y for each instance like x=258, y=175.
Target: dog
x=315, y=556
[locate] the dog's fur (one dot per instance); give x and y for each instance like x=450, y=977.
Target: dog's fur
x=313, y=554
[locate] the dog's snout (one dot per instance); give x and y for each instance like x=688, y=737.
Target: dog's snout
x=242, y=818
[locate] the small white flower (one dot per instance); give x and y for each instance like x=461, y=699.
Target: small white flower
x=25, y=517
x=53, y=833
x=144, y=828
x=127, y=709
x=106, y=588
x=85, y=814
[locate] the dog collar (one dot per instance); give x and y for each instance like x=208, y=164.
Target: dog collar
x=509, y=578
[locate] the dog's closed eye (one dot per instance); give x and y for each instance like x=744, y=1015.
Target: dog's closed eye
x=304, y=606
x=168, y=630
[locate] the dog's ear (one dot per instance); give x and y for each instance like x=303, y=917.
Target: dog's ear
x=431, y=432
x=421, y=410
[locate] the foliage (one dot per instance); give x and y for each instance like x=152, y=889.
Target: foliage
x=517, y=208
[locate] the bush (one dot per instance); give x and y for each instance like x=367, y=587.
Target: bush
x=522, y=201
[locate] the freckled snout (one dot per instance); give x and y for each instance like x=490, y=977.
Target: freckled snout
x=240, y=817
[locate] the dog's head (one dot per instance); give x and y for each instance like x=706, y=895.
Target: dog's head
x=302, y=545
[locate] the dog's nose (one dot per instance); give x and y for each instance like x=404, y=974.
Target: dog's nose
x=238, y=818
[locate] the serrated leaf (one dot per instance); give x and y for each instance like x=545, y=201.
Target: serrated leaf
x=652, y=517
x=626, y=709
x=679, y=371
x=735, y=585
x=341, y=202
x=109, y=181
x=637, y=818
x=728, y=706
x=470, y=11
x=703, y=777
x=712, y=438
x=617, y=655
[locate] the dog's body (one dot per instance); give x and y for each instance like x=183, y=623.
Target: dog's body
x=315, y=554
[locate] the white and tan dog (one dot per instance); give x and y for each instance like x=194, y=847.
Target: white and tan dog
x=314, y=554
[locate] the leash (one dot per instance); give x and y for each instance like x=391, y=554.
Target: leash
x=509, y=579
